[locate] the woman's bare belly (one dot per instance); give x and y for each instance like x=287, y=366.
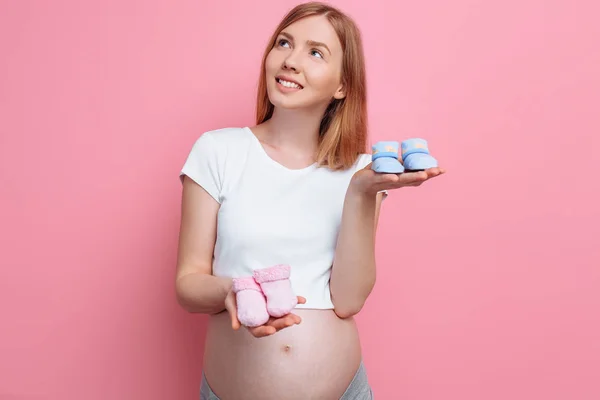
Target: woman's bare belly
x=316, y=359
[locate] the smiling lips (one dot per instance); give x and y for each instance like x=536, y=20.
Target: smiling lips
x=288, y=83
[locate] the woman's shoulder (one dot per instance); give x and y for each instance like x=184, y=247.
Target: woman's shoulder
x=215, y=155
x=224, y=141
x=218, y=145
x=228, y=134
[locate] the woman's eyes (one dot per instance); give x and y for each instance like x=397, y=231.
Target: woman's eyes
x=284, y=42
x=318, y=53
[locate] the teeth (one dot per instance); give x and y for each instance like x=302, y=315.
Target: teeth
x=289, y=84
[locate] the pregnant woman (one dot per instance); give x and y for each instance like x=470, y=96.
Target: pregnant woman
x=296, y=189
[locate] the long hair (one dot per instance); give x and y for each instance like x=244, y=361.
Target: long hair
x=343, y=129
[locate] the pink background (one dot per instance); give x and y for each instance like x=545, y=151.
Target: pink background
x=488, y=277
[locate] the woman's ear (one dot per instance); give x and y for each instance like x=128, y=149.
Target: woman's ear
x=340, y=93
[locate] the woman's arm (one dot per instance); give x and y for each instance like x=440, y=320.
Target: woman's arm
x=353, y=272
x=197, y=290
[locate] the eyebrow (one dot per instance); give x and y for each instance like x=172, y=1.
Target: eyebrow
x=309, y=42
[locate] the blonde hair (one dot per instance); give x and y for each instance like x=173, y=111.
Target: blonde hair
x=343, y=130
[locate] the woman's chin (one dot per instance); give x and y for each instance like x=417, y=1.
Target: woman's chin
x=287, y=104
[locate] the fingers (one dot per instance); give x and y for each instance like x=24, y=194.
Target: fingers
x=231, y=307
x=392, y=181
x=417, y=179
x=387, y=178
x=262, y=331
x=284, y=322
x=274, y=325
x=433, y=172
x=235, y=323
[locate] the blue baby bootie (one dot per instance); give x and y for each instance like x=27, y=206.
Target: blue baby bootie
x=415, y=155
x=385, y=158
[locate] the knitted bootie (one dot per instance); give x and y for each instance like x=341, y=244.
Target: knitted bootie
x=385, y=158
x=251, y=302
x=415, y=155
x=275, y=284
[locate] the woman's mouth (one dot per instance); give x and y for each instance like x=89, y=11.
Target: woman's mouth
x=282, y=83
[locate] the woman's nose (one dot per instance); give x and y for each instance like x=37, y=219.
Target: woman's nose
x=291, y=63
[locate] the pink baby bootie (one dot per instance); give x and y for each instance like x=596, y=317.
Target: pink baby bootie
x=275, y=284
x=251, y=303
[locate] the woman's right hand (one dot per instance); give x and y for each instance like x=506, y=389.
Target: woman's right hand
x=272, y=326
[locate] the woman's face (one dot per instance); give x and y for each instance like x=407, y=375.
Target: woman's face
x=303, y=69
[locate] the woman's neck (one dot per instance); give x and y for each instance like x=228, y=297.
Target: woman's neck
x=294, y=130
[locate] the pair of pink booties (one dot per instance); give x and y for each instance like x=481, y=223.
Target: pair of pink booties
x=267, y=293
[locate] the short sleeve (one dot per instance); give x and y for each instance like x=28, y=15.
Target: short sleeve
x=363, y=161
x=203, y=165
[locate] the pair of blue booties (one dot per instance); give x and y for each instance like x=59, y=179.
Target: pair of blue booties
x=415, y=156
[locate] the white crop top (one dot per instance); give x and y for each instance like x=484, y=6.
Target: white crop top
x=271, y=214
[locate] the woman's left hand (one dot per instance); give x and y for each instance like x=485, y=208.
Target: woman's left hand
x=370, y=182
